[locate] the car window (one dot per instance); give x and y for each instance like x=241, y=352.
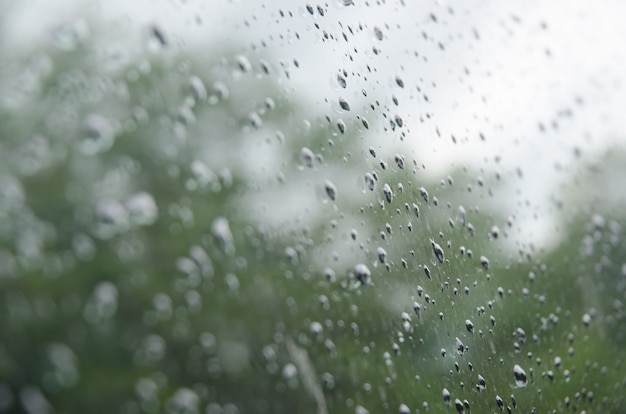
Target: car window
x=337, y=207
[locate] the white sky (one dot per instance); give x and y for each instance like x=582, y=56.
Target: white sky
x=513, y=85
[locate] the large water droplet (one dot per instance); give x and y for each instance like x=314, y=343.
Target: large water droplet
x=520, y=376
x=362, y=273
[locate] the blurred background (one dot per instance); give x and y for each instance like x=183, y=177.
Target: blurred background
x=233, y=207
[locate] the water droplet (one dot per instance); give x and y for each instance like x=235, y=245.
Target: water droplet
x=399, y=161
x=243, y=63
x=307, y=157
x=495, y=232
x=423, y=193
x=369, y=181
x=482, y=384
x=198, y=90
x=344, y=104
x=437, y=250
x=469, y=326
x=460, y=348
x=520, y=376
x=484, y=262
x=378, y=33
x=500, y=402
x=586, y=319
x=341, y=81
x=459, y=406
x=388, y=193
x=382, y=254
x=399, y=82
x=220, y=90
x=221, y=231
x=362, y=273
x=445, y=394
x=341, y=126
x=427, y=271
x=416, y=210
x=316, y=328
x=142, y=209
x=331, y=190
x=255, y=119
x=98, y=135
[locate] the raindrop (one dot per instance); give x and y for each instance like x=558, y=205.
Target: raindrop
x=482, y=384
x=459, y=406
x=370, y=182
x=462, y=214
x=586, y=319
x=307, y=156
x=437, y=250
x=469, y=326
x=382, y=254
x=423, y=193
x=500, y=402
x=362, y=273
x=341, y=126
x=98, y=135
x=399, y=82
x=460, y=348
x=445, y=394
x=198, y=90
x=416, y=210
x=399, y=161
x=341, y=81
x=378, y=33
x=495, y=232
x=520, y=376
x=243, y=63
x=344, y=104
x=220, y=90
x=427, y=271
x=221, y=231
x=331, y=190
x=484, y=262
x=142, y=209
x=388, y=193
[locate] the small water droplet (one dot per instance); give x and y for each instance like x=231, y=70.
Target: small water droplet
x=469, y=326
x=369, y=181
x=423, y=193
x=243, y=63
x=331, y=190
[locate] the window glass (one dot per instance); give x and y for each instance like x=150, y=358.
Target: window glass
x=337, y=207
